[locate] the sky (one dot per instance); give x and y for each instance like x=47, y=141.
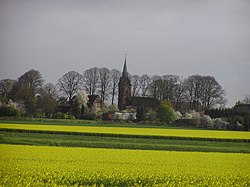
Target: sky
x=178, y=37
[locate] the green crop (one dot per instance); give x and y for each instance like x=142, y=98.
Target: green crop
x=58, y=166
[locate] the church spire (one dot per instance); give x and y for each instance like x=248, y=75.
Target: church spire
x=125, y=70
x=124, y=88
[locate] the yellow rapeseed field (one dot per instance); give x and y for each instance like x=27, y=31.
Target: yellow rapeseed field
x=135, y=131
x=60, y=166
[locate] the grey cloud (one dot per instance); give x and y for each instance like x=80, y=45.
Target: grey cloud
x=161, y=37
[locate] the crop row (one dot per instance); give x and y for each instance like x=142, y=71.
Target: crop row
x=115, y=135
x=120, y=131
x=53, y=166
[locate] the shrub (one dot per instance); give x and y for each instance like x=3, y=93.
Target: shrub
x=192, y=115
x=113, y=108
x=9, y=111
x=239, y=126
x=58, y=115
x=90, y=116
x=119, y=116
x=207, y=122
x=239, y=119
x=188, y=116
x=165, y=112
x=178, y=115
x=151, y=116
x=124, y=116
x=39, y=114
x=68, y=116
x=130, y=116
x=235, y=126
x=219, y=123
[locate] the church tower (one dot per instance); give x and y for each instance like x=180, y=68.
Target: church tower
x=124, y=90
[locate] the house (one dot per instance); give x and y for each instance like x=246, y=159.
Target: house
x=95, y=101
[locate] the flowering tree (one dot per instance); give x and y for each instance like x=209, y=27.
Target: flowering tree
x=207, y=122
x=82, y=98
x=80, y=107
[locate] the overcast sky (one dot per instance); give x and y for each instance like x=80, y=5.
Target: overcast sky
x=180, y=37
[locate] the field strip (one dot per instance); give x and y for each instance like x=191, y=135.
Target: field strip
x=213, y=134
x=64, y=166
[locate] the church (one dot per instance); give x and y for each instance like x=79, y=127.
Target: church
x=125, y=100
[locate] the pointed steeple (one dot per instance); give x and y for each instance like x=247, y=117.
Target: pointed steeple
x=125, y=70
x=124, y=88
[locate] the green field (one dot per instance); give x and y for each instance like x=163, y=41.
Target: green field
x=133, y=131
x=125, y=137
x=52, y=166
x=121, y=143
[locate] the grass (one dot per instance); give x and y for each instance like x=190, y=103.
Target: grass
x=121, y=143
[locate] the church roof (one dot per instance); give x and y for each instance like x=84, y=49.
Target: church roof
x=125, y=70
x=92, y=99
x=147, y=102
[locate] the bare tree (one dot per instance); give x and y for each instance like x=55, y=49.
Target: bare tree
x=135, y=83
x=204, y=90
x=212, y=93
x=50, y=89
x=6, y=86
x=155, y=86
x=47, y=98
x=168, y=86
x=145, y=82
x=178, y=95
x=115, y=76
x=164, y=87
x=70, y=84
x=104, y=74
x=90, y=80
x=193, y=90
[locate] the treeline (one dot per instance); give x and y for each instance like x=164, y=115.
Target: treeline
x=32, y=94
x=232, y=116
x=196, y=89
